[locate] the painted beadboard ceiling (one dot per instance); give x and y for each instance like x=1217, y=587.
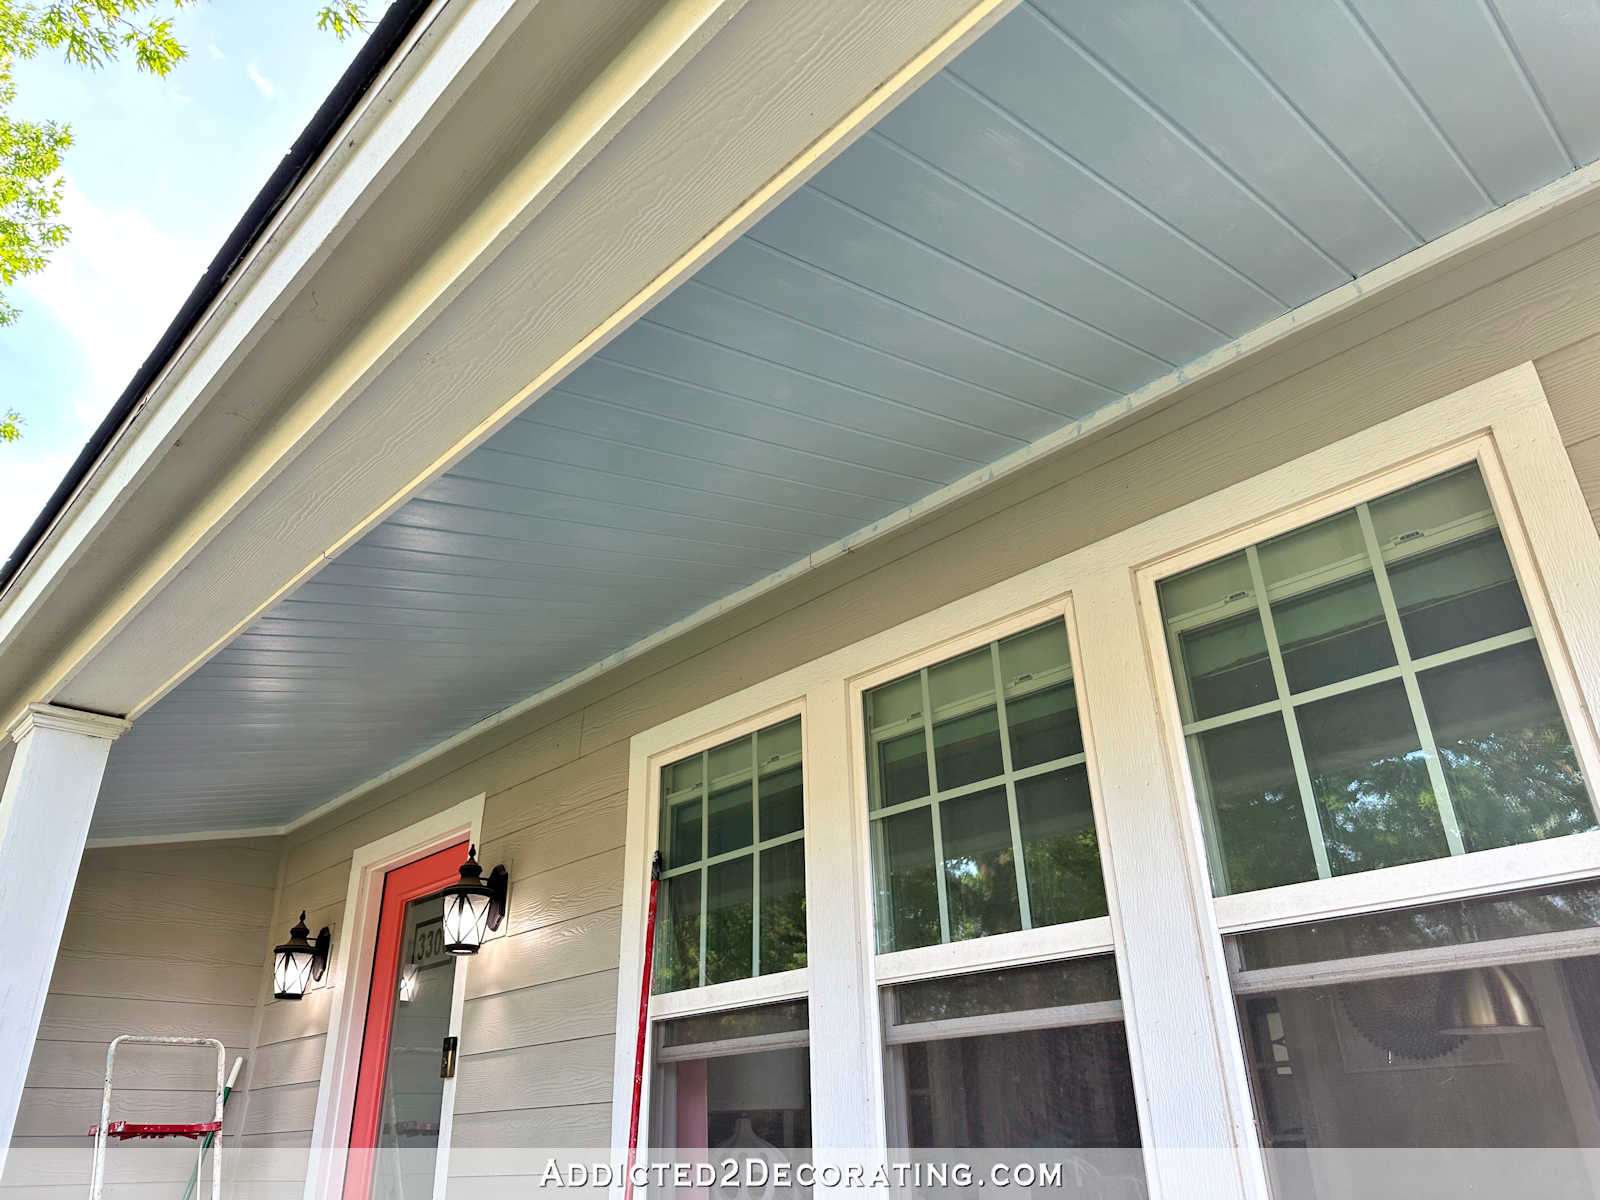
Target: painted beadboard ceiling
x=1088, y=198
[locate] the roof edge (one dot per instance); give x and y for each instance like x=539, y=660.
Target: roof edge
x=387, y=38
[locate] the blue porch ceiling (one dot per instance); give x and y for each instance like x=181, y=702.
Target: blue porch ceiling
x=1088, y=198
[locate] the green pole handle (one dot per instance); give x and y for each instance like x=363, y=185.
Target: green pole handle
x=205, y=1144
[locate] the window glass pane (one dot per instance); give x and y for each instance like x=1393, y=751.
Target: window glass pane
x=711, y=856
x=966, y=724
x=682, y=797
x=1218, y=643
x=1255, y=822
x=1485, y=1058
x=898, y=747
x=728, y=914
x=1371, y=780
x=1044, y=985
x=1454, y=922
x=728, y=818
x=683, y=832
x=783, y=908
x=1059, y=847
x=1459, y=594
x=1325, y=604
x=1510, y=766
x=980, y=878
x=1051, y=1072
x=1041, y=705
x=731, y=1102
x=790, y=1016
x=677, y=963
x=907, y=891
x=782, y=785
x=1452, y=578
x=1039, y=1087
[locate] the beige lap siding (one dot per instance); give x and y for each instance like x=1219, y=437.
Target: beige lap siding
x=160, y=940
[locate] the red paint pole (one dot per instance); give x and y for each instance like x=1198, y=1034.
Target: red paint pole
x=644, y=1022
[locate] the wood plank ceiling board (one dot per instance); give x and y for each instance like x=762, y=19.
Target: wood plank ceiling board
x=1090, y=197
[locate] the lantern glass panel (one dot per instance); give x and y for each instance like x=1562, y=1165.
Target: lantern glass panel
x=291, y=973
x=466, y=922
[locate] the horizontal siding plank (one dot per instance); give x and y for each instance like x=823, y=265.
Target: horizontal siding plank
x=288, y=1109
x=548, y=844
x=559, y=1011
x=133, y=977
x=296, y=1061
x=590, y=885
x=99, y=1019
x=1571, y=379
x=252, y=861
x=561, y=951
x=290, y=1020
x=556, y=794
x=571, y=1125
x=141, y=1068
x=551, y=1076
x=181, y=902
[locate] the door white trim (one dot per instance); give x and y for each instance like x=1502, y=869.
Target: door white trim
x=350, y=976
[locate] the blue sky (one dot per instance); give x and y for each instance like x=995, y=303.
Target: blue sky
x=159, y=172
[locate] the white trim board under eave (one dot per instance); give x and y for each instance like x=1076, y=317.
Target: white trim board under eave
x=1571, y=189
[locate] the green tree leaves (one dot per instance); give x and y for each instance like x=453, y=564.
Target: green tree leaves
x=91, y=34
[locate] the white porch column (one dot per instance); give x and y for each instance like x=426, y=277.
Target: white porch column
x=1187, y=1060
x=44, y=822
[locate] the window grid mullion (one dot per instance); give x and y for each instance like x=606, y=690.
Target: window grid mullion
x=1291, y=723
x=1011, y=787
x=1408, y=674
x=1327, y=691
x=933, y=809
x=755, y=859
x=982, y=785
x=742, y=852
x=705, y=852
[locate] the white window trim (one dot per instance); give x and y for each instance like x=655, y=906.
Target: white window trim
x=350, y=979
x=1188, y=1064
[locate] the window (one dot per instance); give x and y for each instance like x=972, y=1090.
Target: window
x=1363, y=758
x=979, y=797
x=733, y=894
x=734, y=1084
x=1033, y=1056
x=1462, y=1024
x=1366, y=692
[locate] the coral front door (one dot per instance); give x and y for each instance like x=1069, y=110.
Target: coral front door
x=394, y=1130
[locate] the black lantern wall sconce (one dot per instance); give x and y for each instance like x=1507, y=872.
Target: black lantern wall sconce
x=298, y=961
x=473, y=906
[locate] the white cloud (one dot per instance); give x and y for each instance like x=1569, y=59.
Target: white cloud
x=114, y=288
x=216, y=53
x=263, y=84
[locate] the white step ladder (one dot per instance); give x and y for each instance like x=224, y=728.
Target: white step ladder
x=208, y=1132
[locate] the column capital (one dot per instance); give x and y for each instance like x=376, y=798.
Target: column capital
x=68, y=720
